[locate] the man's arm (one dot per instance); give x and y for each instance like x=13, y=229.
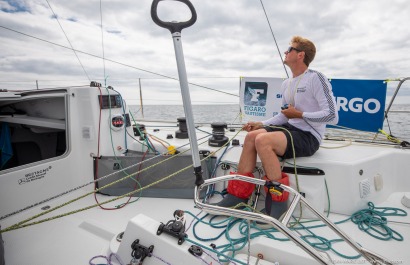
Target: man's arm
x=323, y=93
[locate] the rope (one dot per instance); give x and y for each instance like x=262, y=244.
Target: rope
x=160, y=259
x=226, y=224
x=394, y=139
x=25, y=223
x=273, y=35
x=320, y=243
x=68, y=40
x=212, y=258
x=294, y=162
x=20, y=224
x=102, y=39
x=113, y=149
x=113, y=61
x=293, y=151
x=97, y=180
x=366, y=219
x=107, y=259
x=230, y=258
x=92, y=182
x=340, y=146
x=373, y=222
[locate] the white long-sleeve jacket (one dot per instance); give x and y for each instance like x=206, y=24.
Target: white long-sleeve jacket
x=312, y=94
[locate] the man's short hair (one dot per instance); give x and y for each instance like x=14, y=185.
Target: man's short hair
x=306, y=46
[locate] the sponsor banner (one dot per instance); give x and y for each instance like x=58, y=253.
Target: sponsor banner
x=360, y=103
x=260, y=98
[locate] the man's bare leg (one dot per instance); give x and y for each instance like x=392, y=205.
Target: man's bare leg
x=268, y=147
x=246, y=166
x=247, y=161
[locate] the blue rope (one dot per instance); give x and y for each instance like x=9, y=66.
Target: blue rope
x=226, y=224
x=371, y=221
x=211, y=189
x=326, y=245
x=321, y=243
x=228, y=258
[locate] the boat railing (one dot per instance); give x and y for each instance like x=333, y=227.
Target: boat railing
x=401, y=81
x=282, y=225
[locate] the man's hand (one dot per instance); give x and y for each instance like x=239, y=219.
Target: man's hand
x=252, y=125
x=292, y=113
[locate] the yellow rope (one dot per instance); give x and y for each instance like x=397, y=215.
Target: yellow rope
x=390, y=137
x=340, y=146
x=25, y=223
x=89, y=193
x=294, y=155
x=240, y=115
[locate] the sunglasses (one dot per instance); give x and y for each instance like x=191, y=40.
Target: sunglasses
x=290, y=49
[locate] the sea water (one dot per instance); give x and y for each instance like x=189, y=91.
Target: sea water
x=398, y=122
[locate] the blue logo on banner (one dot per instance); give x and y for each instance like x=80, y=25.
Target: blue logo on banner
x=255, y=93
x=360, y=103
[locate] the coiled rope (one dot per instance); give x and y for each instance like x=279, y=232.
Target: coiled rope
x=373, y=221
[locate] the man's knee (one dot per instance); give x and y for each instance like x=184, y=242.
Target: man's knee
x=250, y=137
x=262, y=140
x=275, y=142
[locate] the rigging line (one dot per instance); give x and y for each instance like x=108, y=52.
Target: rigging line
x=141, y=103
x=112, y=61
x=46, y=88
x=25, y=223
x=102, y=38
x=99, y=179
x=72, y=48
x=273, y=35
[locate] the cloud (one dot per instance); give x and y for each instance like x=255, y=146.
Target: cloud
x=13, y=6
x=231, y=38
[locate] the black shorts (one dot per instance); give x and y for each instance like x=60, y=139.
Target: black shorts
x=304, y=142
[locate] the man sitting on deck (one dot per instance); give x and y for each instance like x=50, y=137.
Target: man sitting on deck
x=308, y=105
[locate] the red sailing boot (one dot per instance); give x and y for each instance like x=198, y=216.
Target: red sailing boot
x=238, y=191
x=276, y=205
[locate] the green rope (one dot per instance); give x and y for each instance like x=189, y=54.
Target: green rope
x=25, y=223
x=320, y=243
x=371, y=221
x=294, y=163
x=226, y=225
x=228, y=258
x=20, y=224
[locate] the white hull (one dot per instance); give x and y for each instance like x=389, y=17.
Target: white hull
x=356, y=173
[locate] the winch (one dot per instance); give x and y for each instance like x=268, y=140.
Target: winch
x=218, y=137
x=182, y=133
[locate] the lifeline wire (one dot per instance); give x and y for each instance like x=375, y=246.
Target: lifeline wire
x=22, y=223
x=72, y=48
x=95, y=181
x=96, y=190
x=273, y=35
x=116, y=62
x=25, y=223
x=102, y=38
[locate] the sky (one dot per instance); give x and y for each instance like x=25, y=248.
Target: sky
x=355, y=39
